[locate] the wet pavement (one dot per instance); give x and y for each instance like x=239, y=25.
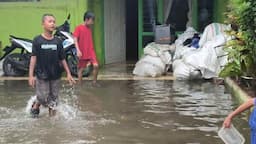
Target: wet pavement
x=120, y=71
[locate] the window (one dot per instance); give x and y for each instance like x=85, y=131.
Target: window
x=178, y=14
x=149, y=15
x=205, y=13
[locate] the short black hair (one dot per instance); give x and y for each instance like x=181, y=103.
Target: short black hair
x=88, y=15
x=45, y=15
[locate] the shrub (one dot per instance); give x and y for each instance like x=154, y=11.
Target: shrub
x=242, y=48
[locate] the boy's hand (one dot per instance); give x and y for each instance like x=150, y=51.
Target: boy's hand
x=32, y=81
x=70, y=79
x=227, y=122
x=79, y=54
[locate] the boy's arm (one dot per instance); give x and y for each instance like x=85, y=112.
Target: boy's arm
x=79, y=54
x=69, y=77
x=237, y=111
x=31, y=71
x=76, y=35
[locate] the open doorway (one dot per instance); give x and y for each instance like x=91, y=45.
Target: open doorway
x=131, y=30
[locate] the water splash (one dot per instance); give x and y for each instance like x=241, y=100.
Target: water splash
x=68, y=104
x=67, y=112
x=30, y=103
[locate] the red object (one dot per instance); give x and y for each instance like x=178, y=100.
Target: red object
x=85, y=43
x=85, y=63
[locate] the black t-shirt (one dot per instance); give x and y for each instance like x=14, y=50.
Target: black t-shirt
x=49, y=54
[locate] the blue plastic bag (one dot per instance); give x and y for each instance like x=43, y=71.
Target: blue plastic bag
x=252, y=123
x=253, y=136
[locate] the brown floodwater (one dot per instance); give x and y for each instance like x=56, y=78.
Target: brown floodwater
x=120, y=112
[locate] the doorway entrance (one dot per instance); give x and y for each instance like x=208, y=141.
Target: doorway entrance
x=131, y=30
x=121, y=30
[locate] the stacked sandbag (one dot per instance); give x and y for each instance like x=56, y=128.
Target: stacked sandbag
x=206, y=61
x=156, y=58
x=180, y=49
x=211, y=31
x=149, y=66
x=183, y=71
x=203, y=62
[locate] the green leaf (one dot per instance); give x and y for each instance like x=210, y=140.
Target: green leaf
x=231, y=69
x=242, y=49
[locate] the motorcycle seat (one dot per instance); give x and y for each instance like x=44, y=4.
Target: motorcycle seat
x=28, y=40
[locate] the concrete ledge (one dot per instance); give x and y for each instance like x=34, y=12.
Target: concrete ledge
x=105, y=77
x=236, y=91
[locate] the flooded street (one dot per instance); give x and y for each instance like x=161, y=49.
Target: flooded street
x=120, y=112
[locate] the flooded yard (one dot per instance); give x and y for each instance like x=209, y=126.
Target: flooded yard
x=120, y=112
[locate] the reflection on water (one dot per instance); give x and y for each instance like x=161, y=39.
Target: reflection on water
x=119, y=112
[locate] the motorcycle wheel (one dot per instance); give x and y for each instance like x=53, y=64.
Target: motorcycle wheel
x=8, y=67
x=72, y=64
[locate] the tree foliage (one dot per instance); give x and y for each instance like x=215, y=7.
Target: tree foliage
x=242, y=48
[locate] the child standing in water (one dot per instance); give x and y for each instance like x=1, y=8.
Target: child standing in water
x=47, y=56
x=85, y=48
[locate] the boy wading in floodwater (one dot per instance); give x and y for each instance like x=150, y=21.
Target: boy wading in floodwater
x=47, y=57
x=85, y=48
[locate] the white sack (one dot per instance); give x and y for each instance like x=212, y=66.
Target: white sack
x=180, y=50
x=210, y=58
x=155, y=50
x=151, y=49
x=182, y=71
x=188, y=33
x=149, y=66
x=211, y=31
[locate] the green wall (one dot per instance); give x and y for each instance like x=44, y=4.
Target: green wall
x=23, y=19
x=220, y=7
x=97, y=6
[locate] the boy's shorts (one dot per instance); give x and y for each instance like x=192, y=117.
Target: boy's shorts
x=82, y=63
x=47, y=92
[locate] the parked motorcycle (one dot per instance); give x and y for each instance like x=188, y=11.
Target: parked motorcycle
x=17, y=63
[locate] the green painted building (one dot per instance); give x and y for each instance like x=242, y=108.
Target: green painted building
x=122, y=27
x=23, y=19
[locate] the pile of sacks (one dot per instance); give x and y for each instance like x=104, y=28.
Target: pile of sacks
x=204, y=62
x=200, y=59
x=156, y=59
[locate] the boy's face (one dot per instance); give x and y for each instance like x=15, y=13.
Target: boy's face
x=89, y=21
x=49, y=23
